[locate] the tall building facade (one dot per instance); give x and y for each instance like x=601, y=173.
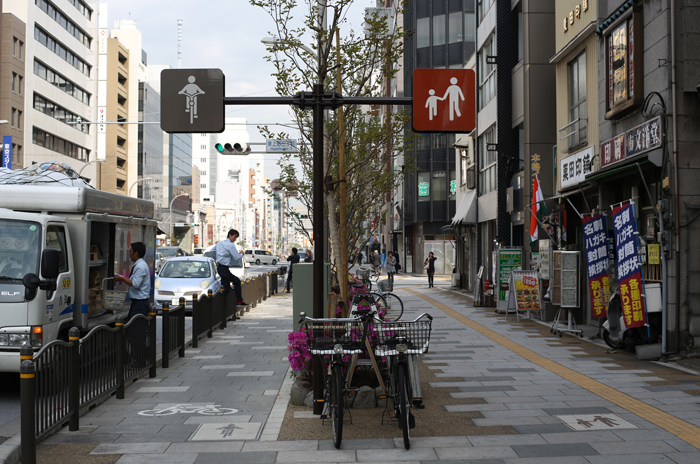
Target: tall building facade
x=61, y=53
x=444, y=37
x=150, y=181
x=13, y=74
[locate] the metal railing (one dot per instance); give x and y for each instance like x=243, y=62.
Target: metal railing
x=173, y=331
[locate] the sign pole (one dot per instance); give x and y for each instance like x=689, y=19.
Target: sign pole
x=319, y=242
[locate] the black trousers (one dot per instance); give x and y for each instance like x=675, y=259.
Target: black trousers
x=289, y=281
x=139, y=307
x=227, y=279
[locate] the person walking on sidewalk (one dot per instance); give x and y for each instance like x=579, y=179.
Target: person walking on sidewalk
x=377, y=262
x=139, y=281
x=293, y=259
x=391, y=266
x=429, y=265
x=359, y=258
x=225, y=252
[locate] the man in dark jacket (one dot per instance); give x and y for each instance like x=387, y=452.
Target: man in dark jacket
x=293, y=258
x=398, y=263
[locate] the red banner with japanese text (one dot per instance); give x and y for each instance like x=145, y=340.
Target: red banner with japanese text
x=595, y=239
x=629, y=268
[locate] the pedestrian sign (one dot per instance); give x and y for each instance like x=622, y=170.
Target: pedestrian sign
x=424, y=189
x=444, y=100
x=192, y=100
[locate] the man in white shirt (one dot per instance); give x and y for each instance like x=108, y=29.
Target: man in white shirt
x=139, y=281
x=226, y=252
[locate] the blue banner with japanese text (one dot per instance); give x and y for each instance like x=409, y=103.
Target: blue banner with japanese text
x=595, y=239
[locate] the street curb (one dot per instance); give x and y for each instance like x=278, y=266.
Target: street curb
x=9, y=451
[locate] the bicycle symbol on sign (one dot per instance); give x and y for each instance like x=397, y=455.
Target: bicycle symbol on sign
x=191, y=91
x=208, y=410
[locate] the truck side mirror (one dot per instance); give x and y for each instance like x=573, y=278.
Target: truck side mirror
x=49, y=264
x=31, y=281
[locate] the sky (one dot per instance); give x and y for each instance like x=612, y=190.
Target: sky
x=221, y=34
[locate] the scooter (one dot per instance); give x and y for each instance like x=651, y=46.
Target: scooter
x=617, y=335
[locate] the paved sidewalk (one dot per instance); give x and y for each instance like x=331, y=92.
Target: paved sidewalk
x=566, y=399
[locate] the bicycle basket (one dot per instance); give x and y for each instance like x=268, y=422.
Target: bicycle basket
x=386, y=285
x=324, y=334
x=112, y=300
x=414, y=334
x=363, y=275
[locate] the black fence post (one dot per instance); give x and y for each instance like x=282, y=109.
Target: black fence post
x=27, y=381
x=222, y=304
x=152, y=323
x=166, y=335
x=210, y=333
x=74, y=381
x=121, y=355
x=181, y=328
x=196, y=317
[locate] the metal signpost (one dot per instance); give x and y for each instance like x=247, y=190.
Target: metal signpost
x=192, y=100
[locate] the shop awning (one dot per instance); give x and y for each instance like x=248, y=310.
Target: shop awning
x=466, y=211
x=600, y=175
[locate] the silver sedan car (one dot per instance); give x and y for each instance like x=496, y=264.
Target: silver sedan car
x=183, y=277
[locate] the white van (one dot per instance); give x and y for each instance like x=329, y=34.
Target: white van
x=237, y=267
x=260, y=257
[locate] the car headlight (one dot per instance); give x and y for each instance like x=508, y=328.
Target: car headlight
x=18, y=339
x=157, y=283
x=4, y=339
x=204, y=284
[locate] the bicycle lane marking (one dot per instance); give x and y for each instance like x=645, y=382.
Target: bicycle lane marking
x=684, y=430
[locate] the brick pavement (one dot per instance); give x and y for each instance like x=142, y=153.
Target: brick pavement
x=542, y=386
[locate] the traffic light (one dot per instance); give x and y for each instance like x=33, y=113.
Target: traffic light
x=238, y=148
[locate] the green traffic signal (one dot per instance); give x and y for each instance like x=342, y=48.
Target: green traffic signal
x=222, y=148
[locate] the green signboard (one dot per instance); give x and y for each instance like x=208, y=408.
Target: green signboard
x=508, y=259
x=453, y=187
x=423, y=189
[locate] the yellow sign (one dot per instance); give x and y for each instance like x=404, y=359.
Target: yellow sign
x=66, y=283
x=654, y=253
x=575, y=14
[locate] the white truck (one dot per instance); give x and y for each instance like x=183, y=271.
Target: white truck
x=92, y=231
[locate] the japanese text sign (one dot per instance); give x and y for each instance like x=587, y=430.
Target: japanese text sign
x=629, y=271
x=7, y=151
x=575, y=167
x=527, y=290
x=612, y=151
x=595, y=236
x=640, y=139
x=444, y=100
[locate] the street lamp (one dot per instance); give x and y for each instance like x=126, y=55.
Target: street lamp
x=137, y=181
x=171, y=214
x=87, y=164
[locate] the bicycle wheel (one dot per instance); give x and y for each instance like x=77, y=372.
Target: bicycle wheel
x=380, y=302
x=404, y=407
x=394, y=307
x=336, y=406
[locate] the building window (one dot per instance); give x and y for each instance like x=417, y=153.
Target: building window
x=455, y=27
x=439, y=185
x=52, y=77
x=82, y=7
x=14, y=116
x=14, y=82
x=64, y=21
x=487, y=73
x=19, y=84
x=423, y=186
x=203, y=173
x=21, y=50
x=59, y=145
x=58, y=112
x=438, y=30
x=19, y=120
x=15, y=43
x=484, y=7
x=423, y=33
x=452, y=186
x=577, y=102
x=488, y=179
x=59, y=49
x=203, y=186
x=469, y=27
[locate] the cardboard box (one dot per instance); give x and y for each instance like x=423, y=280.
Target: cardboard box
x=94, y=279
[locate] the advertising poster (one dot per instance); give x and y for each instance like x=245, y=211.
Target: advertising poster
x=545, y=260
x=595, y=238
x=508, y=260
x=629, y=269
x=527, y=290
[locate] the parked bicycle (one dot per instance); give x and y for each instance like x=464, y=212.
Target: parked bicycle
x=337, y=338
x=388, y=302
x=397, y=341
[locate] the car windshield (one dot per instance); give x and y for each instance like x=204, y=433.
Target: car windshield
x=168, y=252
x=20, y=242
x=185, y=270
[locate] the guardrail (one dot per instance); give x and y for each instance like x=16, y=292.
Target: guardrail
x=173, y=331
x=63, y=378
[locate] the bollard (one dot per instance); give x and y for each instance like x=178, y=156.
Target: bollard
x=74, y=381
x=210, y=333
x=181, y=328
x=222, y=297
x=152, y=342
x=121, y=355
x=196, y=317
x=27, y=376
x=165, y=335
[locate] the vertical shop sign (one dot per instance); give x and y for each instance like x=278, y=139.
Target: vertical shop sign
x=595, y=237
x=629, y=269
x=508, y=260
